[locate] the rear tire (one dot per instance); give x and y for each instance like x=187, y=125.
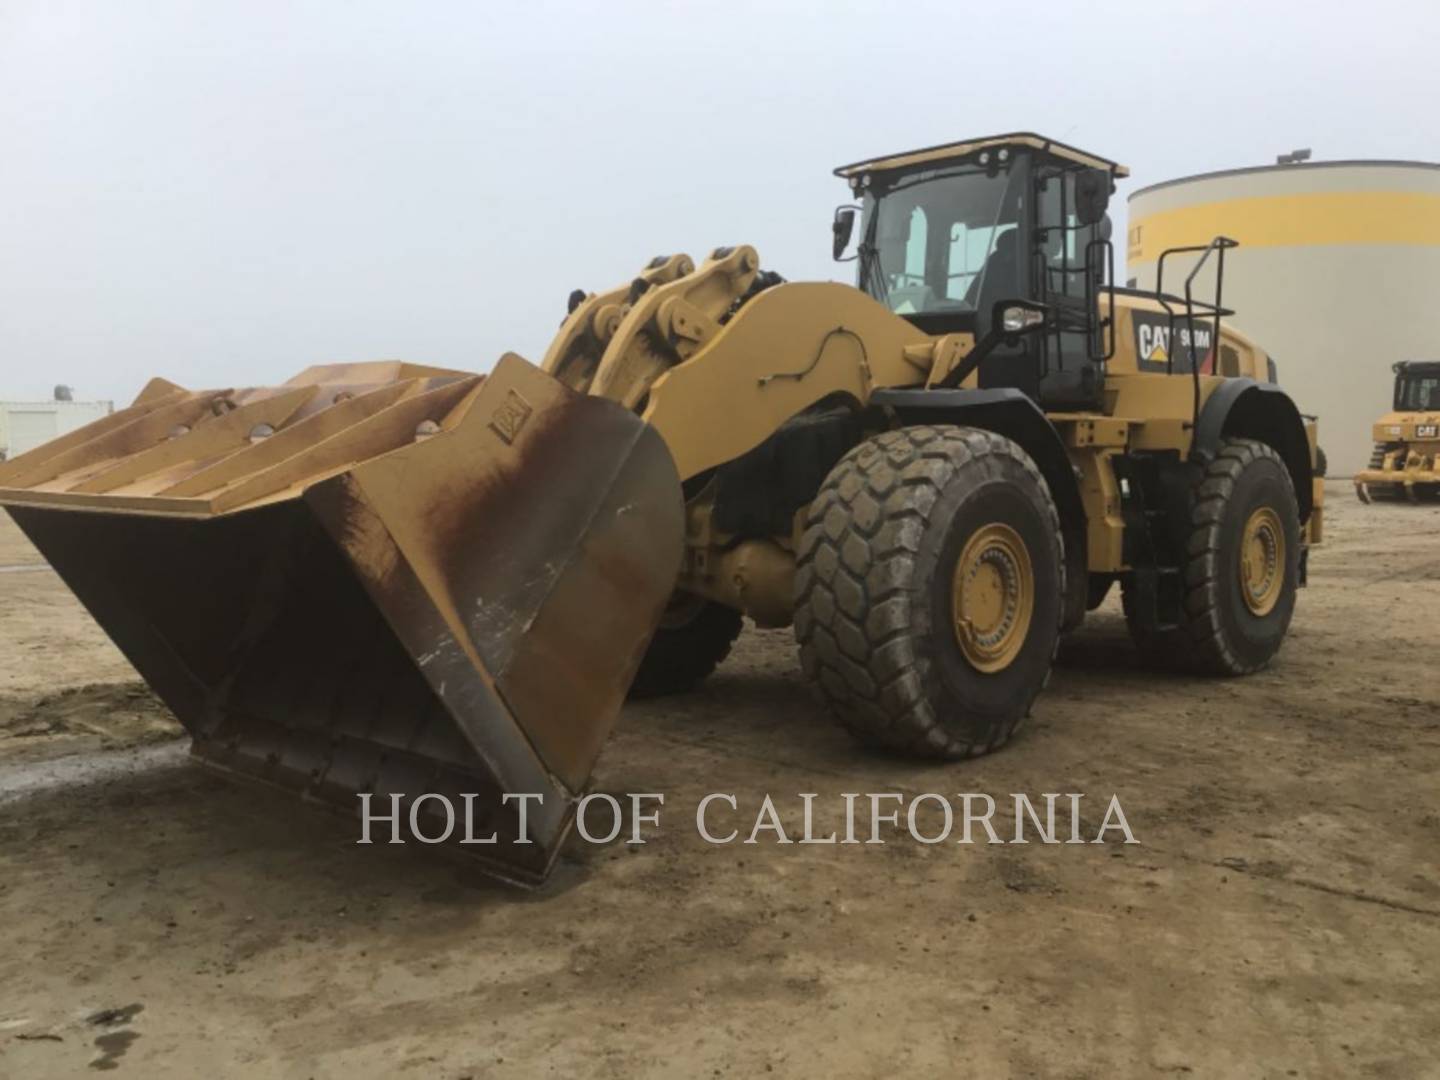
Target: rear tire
x=908, y=527
x=1241, y=570
x=692, y=641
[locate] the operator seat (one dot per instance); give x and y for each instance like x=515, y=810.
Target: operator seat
x=1000, y=272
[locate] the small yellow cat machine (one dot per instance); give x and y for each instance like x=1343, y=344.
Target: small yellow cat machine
x=1406, y=461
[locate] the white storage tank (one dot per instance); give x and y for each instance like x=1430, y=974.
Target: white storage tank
x=24, y=425
x=1336, y=275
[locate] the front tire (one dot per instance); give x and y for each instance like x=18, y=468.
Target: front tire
x=929, y=590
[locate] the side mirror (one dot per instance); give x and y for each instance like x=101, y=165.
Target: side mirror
x=842, y=228
x=1092, y=195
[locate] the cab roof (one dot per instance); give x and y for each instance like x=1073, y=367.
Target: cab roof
x=947, y=151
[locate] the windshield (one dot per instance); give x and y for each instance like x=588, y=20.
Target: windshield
x=1417, y=393
x=940, y=241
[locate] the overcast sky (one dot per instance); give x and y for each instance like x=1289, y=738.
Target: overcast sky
x=224, y=193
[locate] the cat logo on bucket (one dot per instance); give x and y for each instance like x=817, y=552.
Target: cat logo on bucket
x=1157, y=343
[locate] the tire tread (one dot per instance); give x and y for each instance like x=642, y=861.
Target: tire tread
x=856, y=599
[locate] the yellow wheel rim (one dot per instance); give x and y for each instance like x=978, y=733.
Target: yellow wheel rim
x=992, y=597
x=1262, y=561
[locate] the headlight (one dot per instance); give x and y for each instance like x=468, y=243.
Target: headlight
x=1015, y=319
x=1393, y=429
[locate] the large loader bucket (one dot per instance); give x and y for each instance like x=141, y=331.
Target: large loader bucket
x=376, y=578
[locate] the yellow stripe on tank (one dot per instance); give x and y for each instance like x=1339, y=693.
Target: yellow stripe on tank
x=1306, y=219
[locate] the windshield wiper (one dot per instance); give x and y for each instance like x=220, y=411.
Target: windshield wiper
x=872, y=273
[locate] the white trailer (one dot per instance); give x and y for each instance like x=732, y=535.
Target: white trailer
x=24, y=425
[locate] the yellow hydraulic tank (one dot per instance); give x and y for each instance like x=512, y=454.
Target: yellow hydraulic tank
x=1336, y=275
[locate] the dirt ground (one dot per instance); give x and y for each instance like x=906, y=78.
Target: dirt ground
x=1280, y=915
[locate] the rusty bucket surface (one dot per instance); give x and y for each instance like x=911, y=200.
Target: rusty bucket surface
x=376, y=578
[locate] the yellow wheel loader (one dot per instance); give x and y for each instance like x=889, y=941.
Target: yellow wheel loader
x=1406, y=461
x=398, y=580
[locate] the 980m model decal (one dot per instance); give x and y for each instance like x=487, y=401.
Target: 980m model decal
x=1155, y=341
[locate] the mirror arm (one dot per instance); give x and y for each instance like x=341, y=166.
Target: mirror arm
x=991, y=340
x=967, y=367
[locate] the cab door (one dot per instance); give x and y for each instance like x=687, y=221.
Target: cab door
x=1068, y=272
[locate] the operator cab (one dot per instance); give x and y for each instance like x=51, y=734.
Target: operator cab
x=1417, y=385
x=951, y=233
